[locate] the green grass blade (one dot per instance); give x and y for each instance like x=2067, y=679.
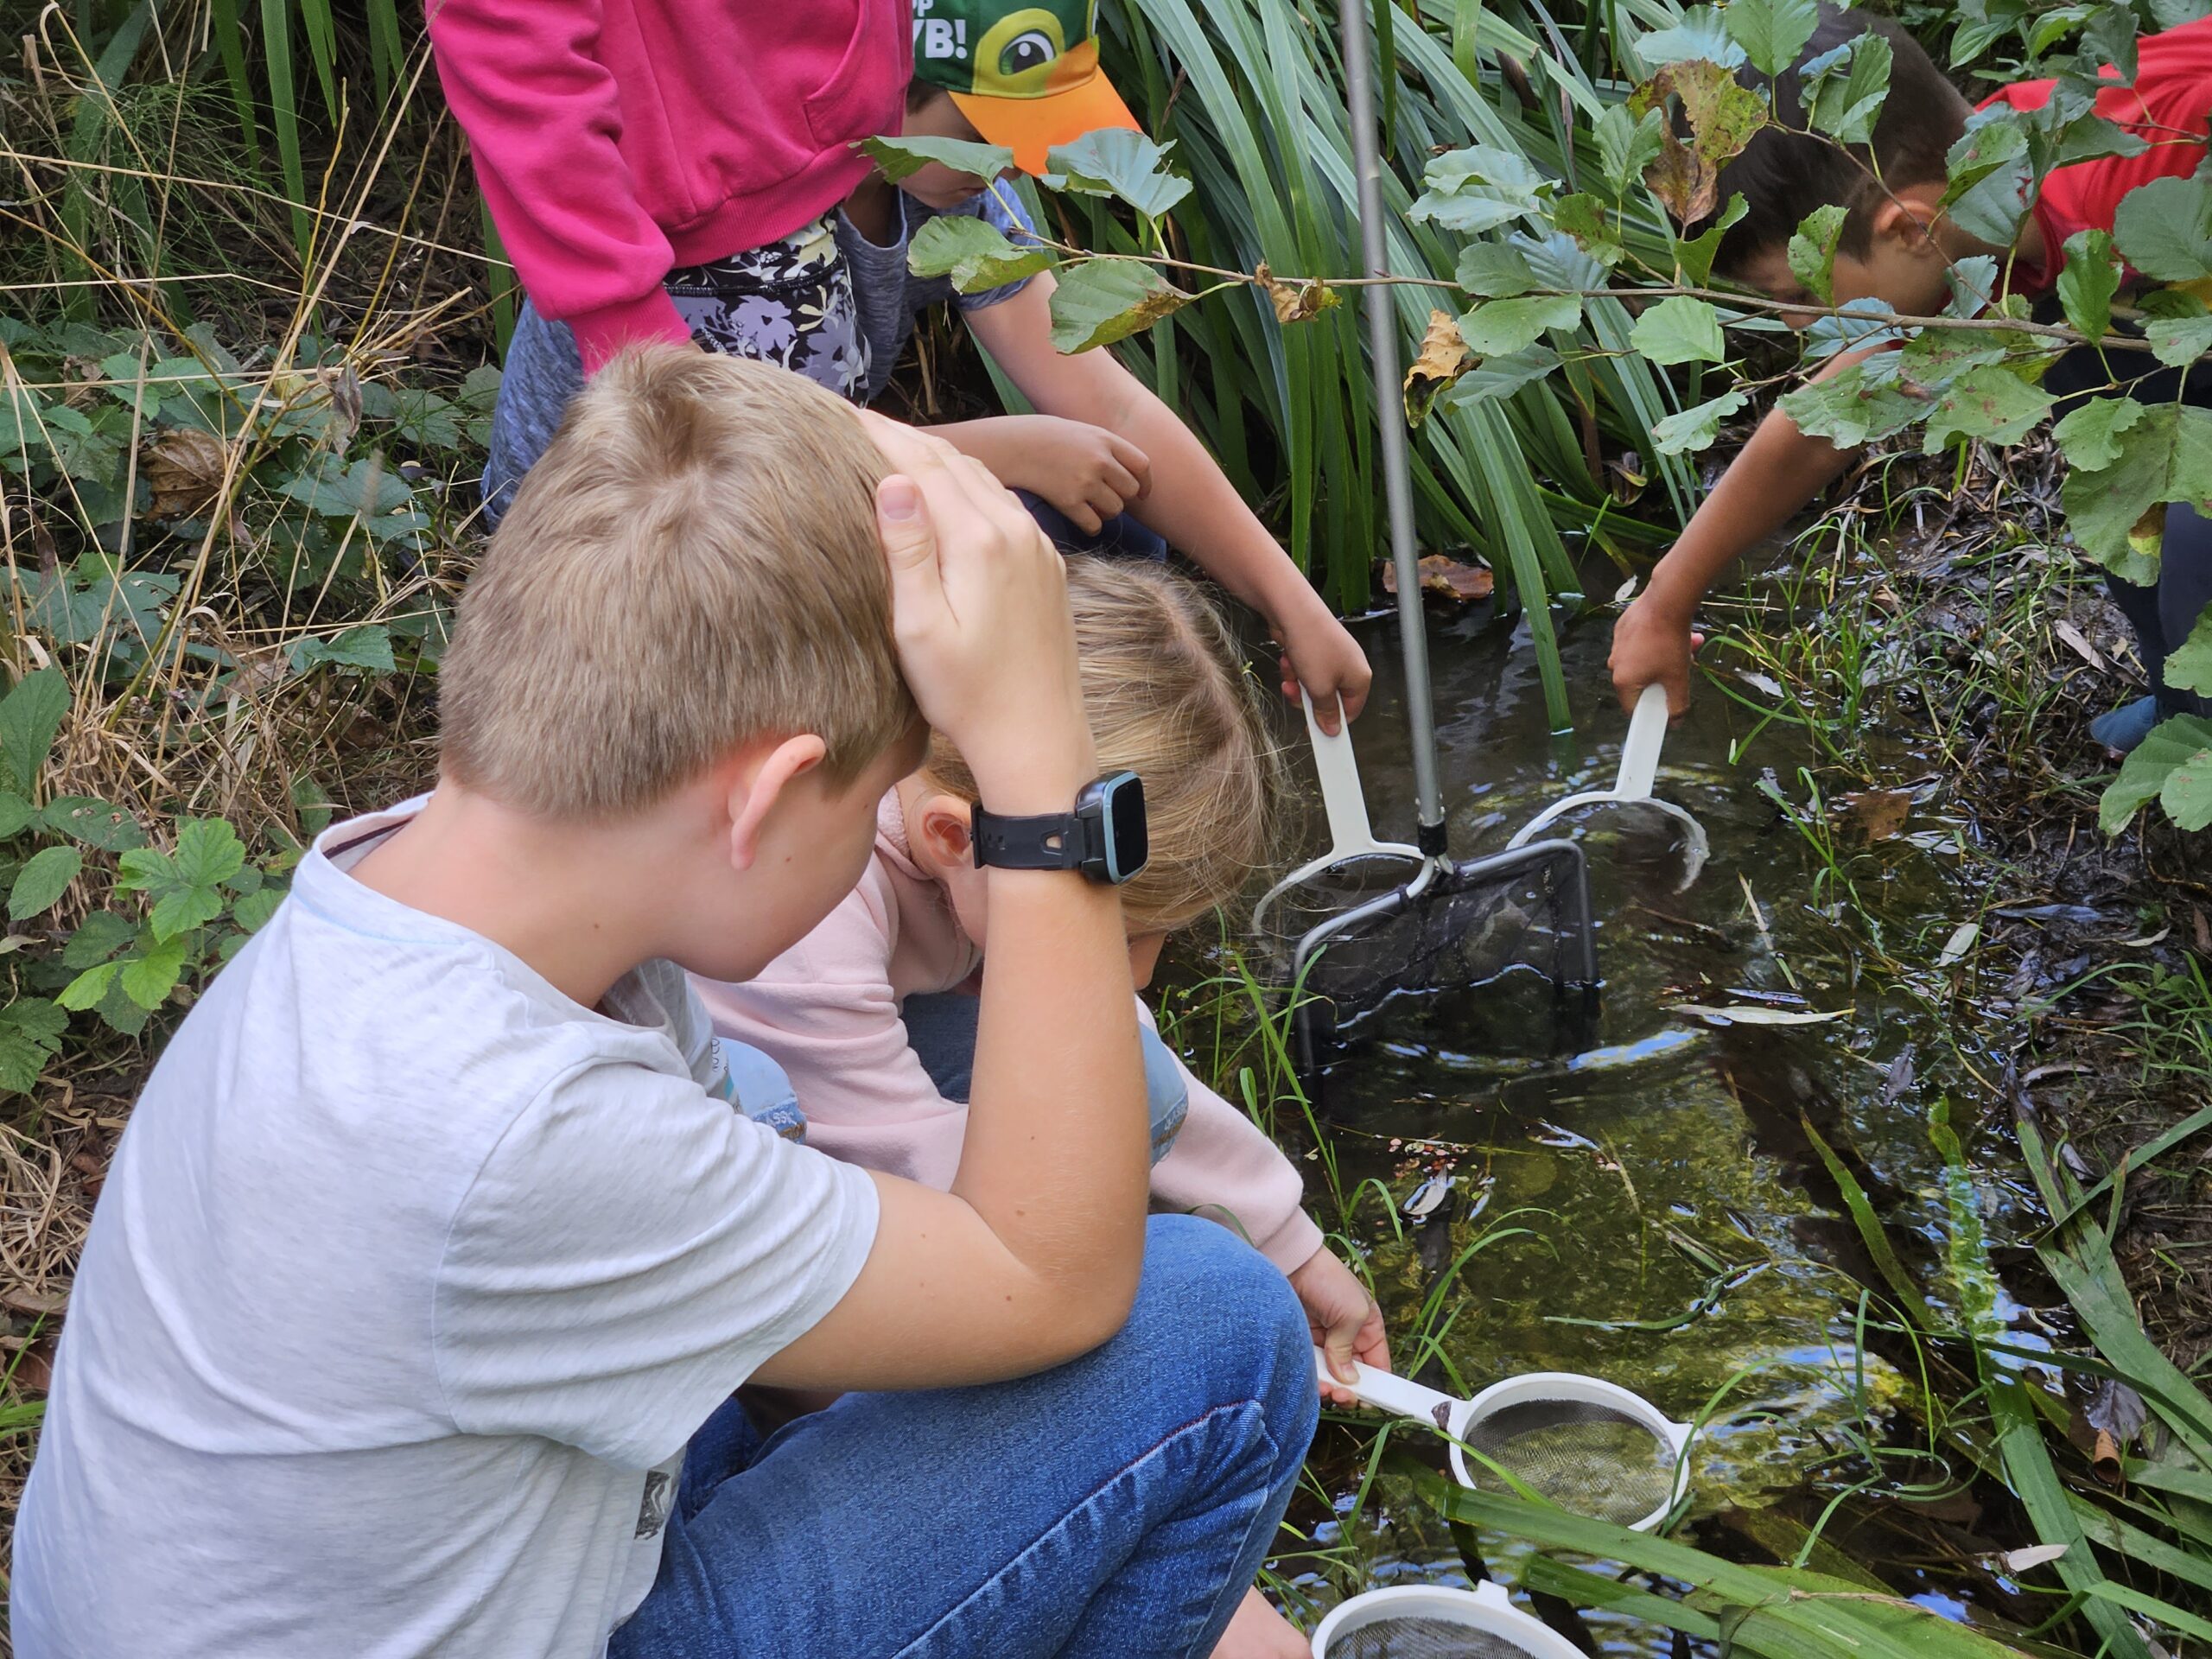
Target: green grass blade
x=284, y=114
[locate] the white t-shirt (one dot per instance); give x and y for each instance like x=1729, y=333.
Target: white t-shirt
x=410, y=1280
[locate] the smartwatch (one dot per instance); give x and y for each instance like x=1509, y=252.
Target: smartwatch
x=1104, y=837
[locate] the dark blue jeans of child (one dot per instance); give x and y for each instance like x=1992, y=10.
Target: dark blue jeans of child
x=1118, y=1505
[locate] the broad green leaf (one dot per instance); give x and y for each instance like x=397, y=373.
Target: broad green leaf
x=1483, y=164
x=1701, y=33
x=976, y=255
x=16, y=814
x=42, y=881
x=30, y=716
x=1590, y=223
x=1843, y=90
x=2164, y=228
x=1116, y=161
x=1856, y=325
x=1470, y=212
x=1812, y=250
x=145, y=870
x=901, y=158
x=89, y=988
x=1853, y=408
x=2117, y=514
x=2187, y=794
x=2090, y=437
x=1990, y=175
x=1679, y=329
x=1696, y=427
x=1478, y=188
x=1501, y=327
x=2179, y=341
x=117, y=1010
x=1494, y=271
x=1973, y=282
x=368, y=647
x=1500, y=376
x=93, y=821
x=30, y=1033
x=252, y=912
x=1627, y=145
x=148, y=980
x=1101, y=301
x=1723, y=113
x=2188, y=668
x=1991, y=404
x=182, y=909
x=208, y=852
x=2087, y=280
x=1771, y=32
x=1693, y=256
x=366, y=489
x=98, y=937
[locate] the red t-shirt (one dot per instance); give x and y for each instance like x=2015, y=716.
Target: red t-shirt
x=2170, y=107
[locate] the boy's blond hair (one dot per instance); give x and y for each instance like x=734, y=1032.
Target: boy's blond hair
x=692, y=563
x=1167, y=697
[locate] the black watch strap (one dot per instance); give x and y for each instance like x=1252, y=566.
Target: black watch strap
x=1051, y=841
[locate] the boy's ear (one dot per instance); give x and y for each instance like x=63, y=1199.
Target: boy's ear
x=1909, y=216
x=755, y=792
x=948, y=830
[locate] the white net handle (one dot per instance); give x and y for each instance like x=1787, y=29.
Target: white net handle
x=1486, y=1608
x=1538, y=1388
x=1350, y=836
x=1639, y=770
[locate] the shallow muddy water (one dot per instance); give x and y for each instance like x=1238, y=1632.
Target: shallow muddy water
x=1656, y=1161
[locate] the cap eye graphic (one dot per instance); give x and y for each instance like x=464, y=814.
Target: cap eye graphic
x=1029, y=51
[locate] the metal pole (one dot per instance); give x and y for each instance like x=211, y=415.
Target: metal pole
x=1397, y=482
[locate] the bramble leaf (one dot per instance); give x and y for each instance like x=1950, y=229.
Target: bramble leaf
x=1501, y=327
x=368, y=647
x=208, y=852
x=1101, y=301
x=976, y=255
x=1812, y=250
x=1771, y=32
x=93, y=822
x=148, y=980
x=901, y=158
x=89, y=988
x=1116, y=161
x=2087, y=280
x=1695, y=428
x=41, y=883
x=1679, y=329
x=2164, y=228
x=30, y=716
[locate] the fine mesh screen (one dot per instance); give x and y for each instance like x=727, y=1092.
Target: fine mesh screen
x=1421, y=1636
x=1589, y=1459
x=1365, y=950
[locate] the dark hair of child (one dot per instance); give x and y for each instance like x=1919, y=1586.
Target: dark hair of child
x=1784, y=175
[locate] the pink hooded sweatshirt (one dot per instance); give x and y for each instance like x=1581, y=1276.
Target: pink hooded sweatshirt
x=827, y=1010
x=616, y=139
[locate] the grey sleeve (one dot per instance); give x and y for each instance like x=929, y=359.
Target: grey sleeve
x=630, y=1252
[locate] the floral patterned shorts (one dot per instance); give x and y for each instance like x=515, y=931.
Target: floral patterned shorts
x=790, y=303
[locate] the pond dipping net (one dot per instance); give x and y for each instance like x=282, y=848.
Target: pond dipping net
x=1498, y=949
x=1589, y=1458
x=1414, y=1635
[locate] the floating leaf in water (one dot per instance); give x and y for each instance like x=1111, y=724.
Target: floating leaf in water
x=1427, y=1198
x=2020, y=1561
x=1746, y=1015
x=1878, y=813
x=1959, y=943
x=1447, y=577
x=2118, y=1413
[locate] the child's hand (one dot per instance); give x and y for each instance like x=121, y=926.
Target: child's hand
x=980, y=610
x=1347, y=1326
x=1256, y=1630
x=1088, y=472
x=1652, y=646
x=1319, y=653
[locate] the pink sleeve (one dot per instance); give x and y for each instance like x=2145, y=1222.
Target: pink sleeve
x=825, y=1012
x=542, y=122
x=1222, y=1166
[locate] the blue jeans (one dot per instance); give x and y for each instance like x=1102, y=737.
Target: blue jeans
x=941, y=1030
x=1117, y=1505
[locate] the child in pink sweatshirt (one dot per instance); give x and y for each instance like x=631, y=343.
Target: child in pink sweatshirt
x=1165, y=697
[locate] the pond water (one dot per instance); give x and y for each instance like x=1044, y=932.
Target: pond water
x=1674, y=1237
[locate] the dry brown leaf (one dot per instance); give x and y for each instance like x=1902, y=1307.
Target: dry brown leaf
x=1443, y=357
x=1296, y=301
x=1447, y=577
x=1878, y=813
x=184, y=468
x=2078, y=642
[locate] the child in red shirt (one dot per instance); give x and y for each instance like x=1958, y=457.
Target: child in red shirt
x=1896, y=246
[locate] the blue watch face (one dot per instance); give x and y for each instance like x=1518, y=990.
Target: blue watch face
x=1127, y=842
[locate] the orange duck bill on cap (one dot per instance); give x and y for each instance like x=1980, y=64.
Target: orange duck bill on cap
x=1078, y=99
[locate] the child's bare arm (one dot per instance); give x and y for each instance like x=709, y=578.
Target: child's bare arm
x=1033, y=1256
x=1087, y=472
x=1191, y=502
x=1776, y=475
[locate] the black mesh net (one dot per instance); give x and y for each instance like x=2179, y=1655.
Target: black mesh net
x=1589, y=1459
x=1501, y=946
x=1420, y=1637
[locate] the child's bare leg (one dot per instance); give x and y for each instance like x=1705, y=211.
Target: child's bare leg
x=1257, y=1632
